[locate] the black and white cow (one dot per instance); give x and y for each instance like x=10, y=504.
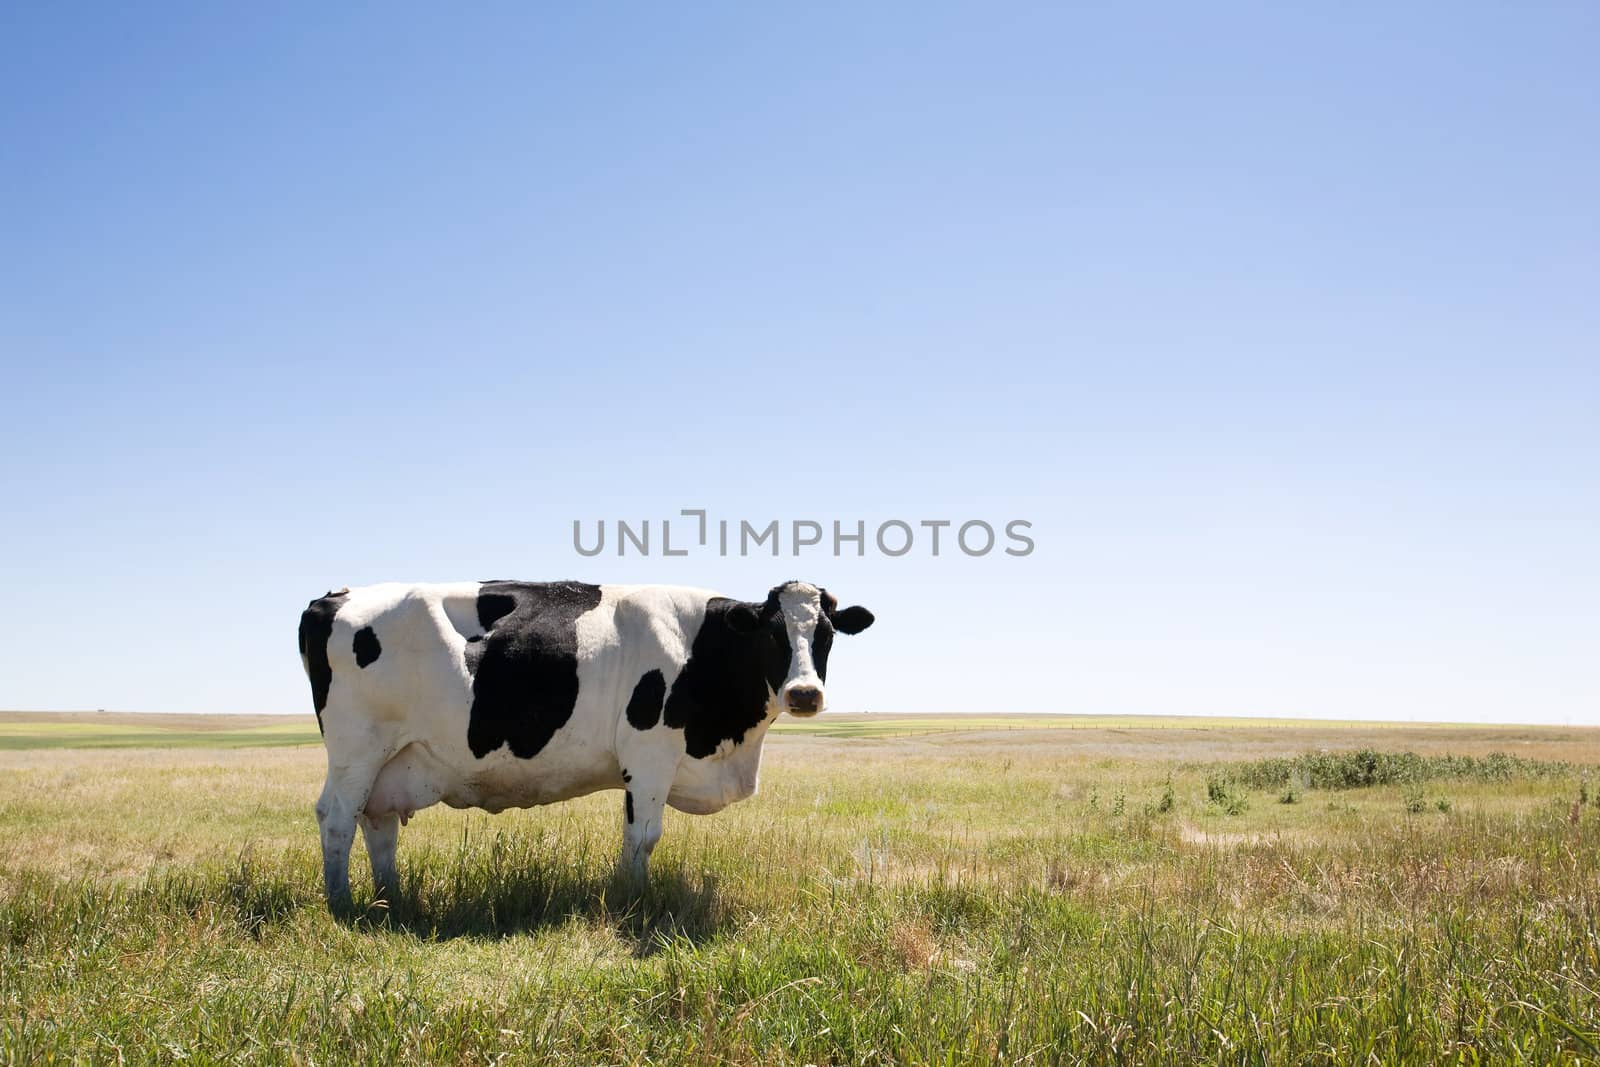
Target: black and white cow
x=510, y=694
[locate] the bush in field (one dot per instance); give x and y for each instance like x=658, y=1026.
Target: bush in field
x=1225, y=794
x=1169, y=798
x=1416, y=802
x=1357, y=770
x=1165, y=804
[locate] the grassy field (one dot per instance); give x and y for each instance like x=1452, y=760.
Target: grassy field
x=22, y=729
x=901, y=890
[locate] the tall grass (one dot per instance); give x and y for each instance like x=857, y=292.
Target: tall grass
x=888, y=905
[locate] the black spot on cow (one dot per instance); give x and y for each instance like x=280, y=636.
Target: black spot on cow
x=626, y=777
x=525, y=670
x=627, y=804
x=723, y=689
x=494, y=606
x=821, y=645
x=366, y=647
x=316, y=626
x=644, y=707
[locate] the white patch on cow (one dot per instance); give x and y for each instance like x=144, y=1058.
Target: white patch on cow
x=801, y=606
x=462, y=612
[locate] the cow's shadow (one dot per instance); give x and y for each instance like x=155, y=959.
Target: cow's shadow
x=649, y=916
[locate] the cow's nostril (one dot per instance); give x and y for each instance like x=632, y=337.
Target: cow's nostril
x=805, y=697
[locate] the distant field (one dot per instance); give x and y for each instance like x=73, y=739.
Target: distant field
x=902, y=890
x=29, y=730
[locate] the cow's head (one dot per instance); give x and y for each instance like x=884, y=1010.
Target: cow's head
x=801, y=620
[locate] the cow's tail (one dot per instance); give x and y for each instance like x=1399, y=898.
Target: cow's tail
x=316, y=626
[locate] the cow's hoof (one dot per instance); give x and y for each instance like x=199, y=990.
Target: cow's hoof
x=631, y=880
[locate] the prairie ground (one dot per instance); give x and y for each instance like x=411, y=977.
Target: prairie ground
x=919, y=890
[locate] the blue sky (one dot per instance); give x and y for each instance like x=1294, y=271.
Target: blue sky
x=1279, y=325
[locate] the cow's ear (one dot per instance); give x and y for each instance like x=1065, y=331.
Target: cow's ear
x=742, y=618
x=852, y=620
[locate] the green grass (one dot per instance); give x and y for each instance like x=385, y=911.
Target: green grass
x=16, y=736
x=953, y=898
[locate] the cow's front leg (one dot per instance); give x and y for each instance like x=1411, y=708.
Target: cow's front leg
x=644, y=801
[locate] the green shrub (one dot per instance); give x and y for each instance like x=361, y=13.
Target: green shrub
x=1226, y=795
x=1367, y=767
x=1416, y=802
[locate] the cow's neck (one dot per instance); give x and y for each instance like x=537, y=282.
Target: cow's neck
x=730, y=774
x=725, y=695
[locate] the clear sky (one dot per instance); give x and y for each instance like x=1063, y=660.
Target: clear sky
x=1279, y=322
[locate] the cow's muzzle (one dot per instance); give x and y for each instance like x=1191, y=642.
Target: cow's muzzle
x=803, y=699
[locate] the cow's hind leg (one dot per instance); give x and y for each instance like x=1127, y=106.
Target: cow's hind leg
x=338, y=825
x=344, y=797
x=382, y=833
